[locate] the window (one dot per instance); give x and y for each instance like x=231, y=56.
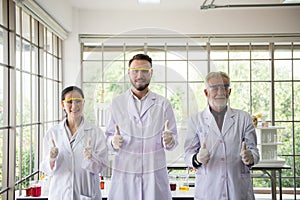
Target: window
x=264, y=79
x=30, y=71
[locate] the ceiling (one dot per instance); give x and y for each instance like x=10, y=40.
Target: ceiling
x=131, y=5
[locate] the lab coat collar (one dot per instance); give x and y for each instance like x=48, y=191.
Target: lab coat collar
x=149, y=101
x=84, y=125
x=229, y=120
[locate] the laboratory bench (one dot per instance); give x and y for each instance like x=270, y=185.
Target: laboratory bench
x=176, y=195
x=189, y=195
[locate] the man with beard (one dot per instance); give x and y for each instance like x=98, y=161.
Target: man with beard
x=141, y=126
x=221, y=143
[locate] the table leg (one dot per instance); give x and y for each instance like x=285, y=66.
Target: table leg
x=280, y=186
x=273, y=184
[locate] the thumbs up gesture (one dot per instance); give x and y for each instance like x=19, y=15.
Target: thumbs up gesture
x=117, y=140
x=53, y=151
x=168, y=138
x=88, y=150
x=203, y=155
x=246, y=154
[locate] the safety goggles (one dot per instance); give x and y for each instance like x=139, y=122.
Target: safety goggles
x=136, y=70
x=221, y=87
x=70, y=101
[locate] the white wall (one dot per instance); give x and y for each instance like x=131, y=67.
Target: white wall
x=60, y=10
x=213, y=21
x=216, y=21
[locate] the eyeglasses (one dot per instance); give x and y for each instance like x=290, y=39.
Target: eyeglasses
x=144, y=71
x=70, y=101
x=221, y=87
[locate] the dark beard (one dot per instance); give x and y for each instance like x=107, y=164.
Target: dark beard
x=141, y=88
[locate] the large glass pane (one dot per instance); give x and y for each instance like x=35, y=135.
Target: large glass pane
x=114, y=71
x=285, y=139
x=26, y=99
x=3, y=46
x=50, y=100
x=92, y=71
x=130, y=51
x=49, y=41
x=56, y=102
x=97, y=99
x=1, y=15
x=296, y=68
x=239, y=70
x=283, y=101
x=18, y=154
x=159, y=71
x=24, y=154
x=34, y=59
x=18, y=98
x=49, y=66
x=197, y=53
x=157, y=53
x=219, y=52
x=35, y=99
x=297, y=138
x=44, y=65
x=18, y=20
x=159, y=88
x=296, y=51
x=18, y=52
x=55, y=68
x=283, y=69
x=196, y=100
x=2, y=83
x=239, y=52
x=219, y=66
x=28, y=143
x=261, y=98
x=197, y=70
x=25, y=26
x=176, y=71
x=1, y=158
x=34, y=31
x=240, y=96
x=95, y=53
x=297, y=101
x=297, y=173
x=177, y=94
x=260, y=51
x=95, y=96
x=60, y=75
x=26, y=56
x=55, y=45
x=282, y=51
x=261, y=70
x=176, y=53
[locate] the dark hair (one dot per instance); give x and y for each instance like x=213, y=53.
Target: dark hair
x=140, y=57
x=69, y=89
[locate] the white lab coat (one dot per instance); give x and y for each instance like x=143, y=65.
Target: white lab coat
x=225, y=176
x=73, y=177
x=139, y=168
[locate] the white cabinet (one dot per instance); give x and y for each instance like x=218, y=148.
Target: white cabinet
x=267, y=141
